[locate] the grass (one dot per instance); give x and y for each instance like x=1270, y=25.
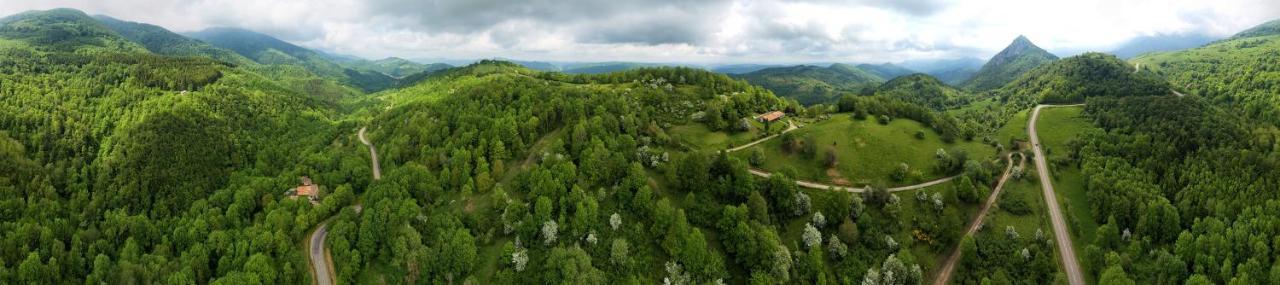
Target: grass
x=867, y=151
x=1016, y=128
x=699, y=136
x=1026, y=225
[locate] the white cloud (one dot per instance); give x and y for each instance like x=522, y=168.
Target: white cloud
x=688, y=30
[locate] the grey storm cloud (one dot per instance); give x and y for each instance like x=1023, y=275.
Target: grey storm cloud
x=909, y=7
x=663, y=22
x=676, y=30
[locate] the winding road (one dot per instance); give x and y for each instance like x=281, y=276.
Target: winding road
x=1060, y=232
x=321, y=265
x=373, y=154
x=948, y=266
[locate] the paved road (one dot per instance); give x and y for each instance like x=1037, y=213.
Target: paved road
x=944, y=273
x=373, y=154
x=1060, y=232
x=320, y=264
x=1176, y=93
x=790, y=127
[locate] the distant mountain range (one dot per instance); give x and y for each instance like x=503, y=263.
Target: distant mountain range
x=1019, y=57
x=887, y=71
x=809, y=84
x=1163, y=42
x=951, y=71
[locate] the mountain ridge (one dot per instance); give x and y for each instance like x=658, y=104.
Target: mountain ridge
x=1019, y=57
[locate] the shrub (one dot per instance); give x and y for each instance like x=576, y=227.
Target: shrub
x=901, y=173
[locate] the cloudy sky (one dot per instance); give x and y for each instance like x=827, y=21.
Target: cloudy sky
x=695, y=31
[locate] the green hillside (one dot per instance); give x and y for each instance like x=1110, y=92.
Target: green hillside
x=923, y=90
x=63, y=30
x=267, y=50
x=1018, y=58
x=161, y=41
x=812, y=84
x=1239, y=73
x=1265, y=29
x=148, y=164
x=392, y=66
x=1072, y=79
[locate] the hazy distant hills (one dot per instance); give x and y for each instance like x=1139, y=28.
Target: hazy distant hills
x=1265, y=29
x=887, y=71
x=1165, y=42
x=391, y=66
x=809, y=84
x=742, y=68
x=951, y=71
x=1019, y=57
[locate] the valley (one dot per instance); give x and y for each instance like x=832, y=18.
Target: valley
x=133, y=154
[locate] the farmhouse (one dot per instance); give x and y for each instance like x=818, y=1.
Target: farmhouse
x=308, y=189
x=770, y=116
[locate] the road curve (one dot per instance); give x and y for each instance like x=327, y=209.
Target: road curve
x=1060, y=232
x=944, y=272
x=320, y=264
x=373, y=154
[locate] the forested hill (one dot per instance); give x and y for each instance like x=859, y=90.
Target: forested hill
x=161, y=41
x=923, y=90
x=1019, y=57
x=1072, y=79
x=813, y=84
x=392, y=66
x=887, y=71
x=539, y=155
x=63, y=30
x=1240, y=73
x=268, y=50
x=121, y=165
x=1265, y=29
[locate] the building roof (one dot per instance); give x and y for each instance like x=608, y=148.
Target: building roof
x=307, y=190
x=772, y=116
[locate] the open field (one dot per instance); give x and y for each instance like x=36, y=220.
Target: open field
x=867, y=151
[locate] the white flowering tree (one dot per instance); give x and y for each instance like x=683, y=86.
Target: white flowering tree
x=812, y=237
x=549, y=231
x=615, y=221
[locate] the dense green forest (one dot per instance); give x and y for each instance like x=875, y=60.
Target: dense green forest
x=1180, y=189
x=130, y=154
x=133, y=167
